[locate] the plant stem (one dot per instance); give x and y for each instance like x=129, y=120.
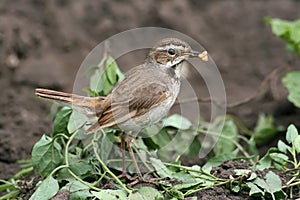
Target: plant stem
x=291, y=185
x=229, y=139
x=23, y=172
x=67, y=165
x=106, y=169
x=11, y=195
x=215, y=185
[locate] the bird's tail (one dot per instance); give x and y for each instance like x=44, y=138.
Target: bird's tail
x=90, y=106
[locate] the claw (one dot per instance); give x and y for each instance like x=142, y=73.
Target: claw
x=126, y=176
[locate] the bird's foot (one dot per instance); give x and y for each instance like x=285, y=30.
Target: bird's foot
x=126, y=176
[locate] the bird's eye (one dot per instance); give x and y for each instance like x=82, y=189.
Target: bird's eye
x=171, y=52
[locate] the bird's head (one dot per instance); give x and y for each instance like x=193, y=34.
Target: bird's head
x=170, y=52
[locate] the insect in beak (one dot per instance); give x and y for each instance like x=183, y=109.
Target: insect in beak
x=203, y=56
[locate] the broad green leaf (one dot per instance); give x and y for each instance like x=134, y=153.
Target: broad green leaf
x=273, y=182
x=280, y=27
x=225, y=144
x=46, y=190
x=184, y=177
x=261, y=183
x=61, y=121
x=292, y=82
x=252, y=176
x=76, y=121
x=144, y=193
x=252, y=146
x=104, y=81
x=289, y=31
x=254, y=189
x=82, y=168
x=240, y=172
x=105, y=147
x=217, y=160
x=176, y=194
x=296, y=143
x=194, y=148
x=160, y=168
x=162, y=138
x=265, y=130
x=113, y=73
x=177, y=121
x=186, y=186
x=46, y=155
x=279, y=157
x=283, y=147
x=77, y=190
x=291, y=133
x=110, y=194
x=236, y=188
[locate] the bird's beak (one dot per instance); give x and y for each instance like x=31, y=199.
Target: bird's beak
x=203, y=56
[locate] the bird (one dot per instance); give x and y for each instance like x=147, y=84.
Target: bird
x=142, y=99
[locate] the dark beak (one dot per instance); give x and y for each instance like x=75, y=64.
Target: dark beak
x=203, y=56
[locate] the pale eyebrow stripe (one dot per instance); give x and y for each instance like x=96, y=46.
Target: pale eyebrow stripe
x=170, y=46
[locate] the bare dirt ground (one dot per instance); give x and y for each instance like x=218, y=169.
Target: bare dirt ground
x=42, y=44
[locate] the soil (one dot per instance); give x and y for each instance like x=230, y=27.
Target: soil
x=42, y=44
x=226, y=170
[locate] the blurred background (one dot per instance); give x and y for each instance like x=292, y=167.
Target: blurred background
x=42, y=44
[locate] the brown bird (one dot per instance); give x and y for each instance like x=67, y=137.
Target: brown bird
x=143, y=98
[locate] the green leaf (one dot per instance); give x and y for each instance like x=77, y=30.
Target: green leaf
x=265, y=130
x=112, y=71
x=162, y=138
x=254, y=189
x=225, y=144
x=292, y=82
x=289, y=31
x=110, y=194
x=273, y=182
x=194, y=148
x=77, y=190
x=279, y=158
x=291, y=134
x=46, y=190
x=46, y=155
x=61, y=121
x=296, y=144
x=184, y=177
x=160, y=168
x=176, y=194
x=82, y=168
x=217, y=160
x=252, y=146
x=177, y=121
x=252, y=176
x=236, y=188
x=105, y=147
x=283, y=147
x=76, y=121
x=240, y=172
x=144, y=193
x=104, y=81
x=186, y=186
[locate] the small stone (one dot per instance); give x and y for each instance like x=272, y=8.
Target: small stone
x=12, y=61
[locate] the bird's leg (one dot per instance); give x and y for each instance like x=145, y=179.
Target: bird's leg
x=124, y=173
x=129, y=143
x=140, y=177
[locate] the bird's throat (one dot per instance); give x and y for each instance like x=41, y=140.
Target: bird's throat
x=175, y=70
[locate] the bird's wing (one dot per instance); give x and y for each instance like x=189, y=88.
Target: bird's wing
x=141, y=100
